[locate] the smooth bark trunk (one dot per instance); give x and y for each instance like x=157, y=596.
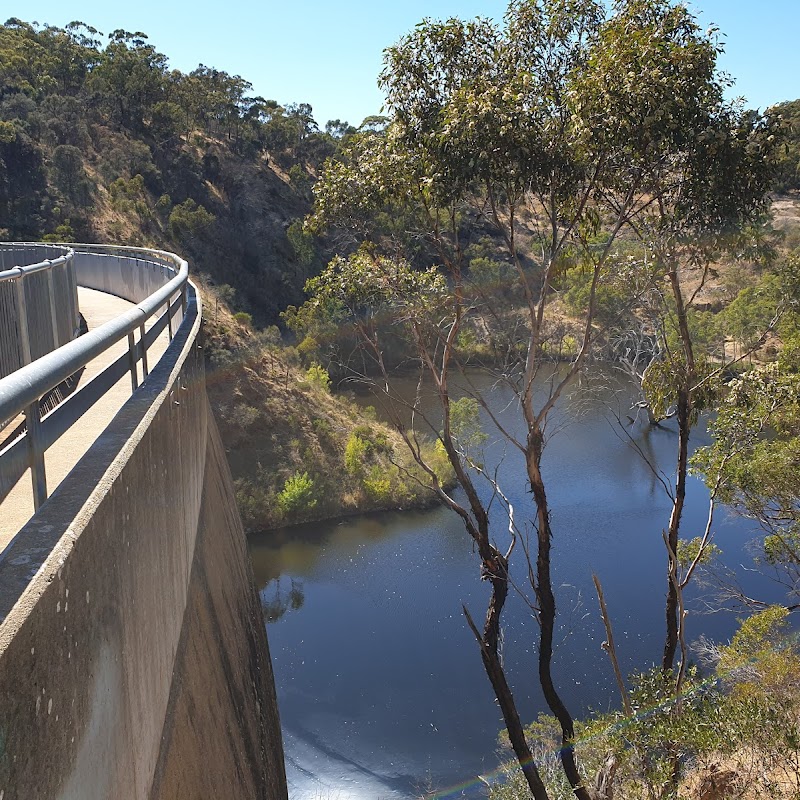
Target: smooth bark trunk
x=673, y=532
x=489, y=641
x=547, y=618
x=683, y=414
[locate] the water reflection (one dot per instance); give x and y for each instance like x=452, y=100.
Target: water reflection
x=277, y=599
x=380, y=683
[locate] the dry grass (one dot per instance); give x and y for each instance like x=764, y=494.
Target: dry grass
x=276, y=423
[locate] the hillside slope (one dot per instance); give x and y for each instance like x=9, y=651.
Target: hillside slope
x=106, y=143
x=296, y=451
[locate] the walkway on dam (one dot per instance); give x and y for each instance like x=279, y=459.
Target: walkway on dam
x=97, y=309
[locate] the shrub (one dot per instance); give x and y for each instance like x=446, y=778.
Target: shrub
x=307, y=348
x=270, y=336
x=322, y=427
x=189, y=219
x=243, y=416
x=297, y=494
x=356, y=453
x=318, y=376
x=243, y=318
x=302, y=242
x=62, y=233
x=377, y=486
x=299, y=178
x=8, y=132
x=490, y=274
x=364, y=431
x=254, y=502
x=436, y=457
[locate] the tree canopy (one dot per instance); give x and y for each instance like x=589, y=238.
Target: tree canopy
x=600, y=150
x=788, y=115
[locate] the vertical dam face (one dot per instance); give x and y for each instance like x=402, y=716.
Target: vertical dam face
x=133, y=655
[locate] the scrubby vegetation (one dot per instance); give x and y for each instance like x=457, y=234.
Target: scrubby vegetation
x=298, y=451
x=736, y=729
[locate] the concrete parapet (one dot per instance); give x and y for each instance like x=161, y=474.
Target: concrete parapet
x=216, y=743
x=133, y=656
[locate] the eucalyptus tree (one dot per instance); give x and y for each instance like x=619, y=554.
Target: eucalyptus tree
x=519, y=126
x=130, y=75
x=755, y=449
x=705, y=167
x=789, y=162
x=473, y=128
x=752, y=462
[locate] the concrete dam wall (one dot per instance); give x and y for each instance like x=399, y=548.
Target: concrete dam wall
x=133, y=654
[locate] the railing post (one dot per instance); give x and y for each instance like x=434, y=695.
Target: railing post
x=169, y=317
x=33, y=419
x=145, y=370
x=53, y=313
x=73, y=296
x=132, y=361
x=22, y=310
x=33, y=424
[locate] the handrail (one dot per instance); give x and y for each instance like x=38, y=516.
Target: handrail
x=49, y=263
x=38, y=302
x=22, y=390
x=28, y=384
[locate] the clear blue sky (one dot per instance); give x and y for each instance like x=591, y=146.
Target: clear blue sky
x=328, y=53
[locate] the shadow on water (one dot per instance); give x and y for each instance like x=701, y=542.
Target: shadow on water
x=379, y=680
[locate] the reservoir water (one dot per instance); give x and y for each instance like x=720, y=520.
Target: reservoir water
x=380, y=684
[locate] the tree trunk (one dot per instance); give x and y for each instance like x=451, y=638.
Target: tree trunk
x=547, y=617
x=671, y=642
x=683, y=414
x=498, y=577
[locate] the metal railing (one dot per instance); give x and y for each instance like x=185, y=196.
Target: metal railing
x=38, y=302
x=158, y=282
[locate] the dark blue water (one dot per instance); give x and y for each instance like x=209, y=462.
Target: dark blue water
x=380, y=684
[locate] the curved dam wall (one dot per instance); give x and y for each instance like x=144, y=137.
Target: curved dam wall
x=133, y=653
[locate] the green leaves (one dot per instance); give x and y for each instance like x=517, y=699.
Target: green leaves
x=787, y=117
x=465, y=425
x=189, y=220
x=8, y=132
x=665, y=378
x=318, y=377
x=369, y=174
x=691, y=549
x=302, y=243
x=755, y=455
x=298, y=495
x=650, y=75
x=757, y=640
x=363, y=284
